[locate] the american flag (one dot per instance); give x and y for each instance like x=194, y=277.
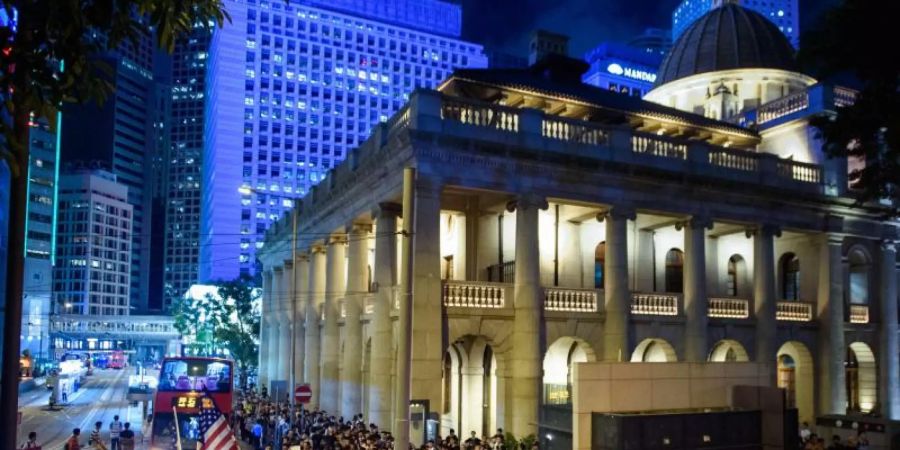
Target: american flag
x=214, y=428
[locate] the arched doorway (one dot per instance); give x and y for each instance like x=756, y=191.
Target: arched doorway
x=470, y=387
x=861, y=375
x=728, y=350
x=737, y=283
x=599, y=265
x=795, y=376
x=674, y=271
x=789, y=271
x=558, y=365
x=654, y=350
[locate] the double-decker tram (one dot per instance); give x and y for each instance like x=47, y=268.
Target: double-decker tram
x=187, y=384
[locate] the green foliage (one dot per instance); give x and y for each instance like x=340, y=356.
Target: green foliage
x=510, y=442
x=51, y=33
x=229, y=320
x=844, y=43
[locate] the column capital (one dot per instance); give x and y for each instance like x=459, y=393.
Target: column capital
x=888, y=245
x=316, y=249
x=288, y=264
x=700, y=221
x=618, y=213
x=302, y=256
x=359, y=227
x=337, y=239
x=278, y=269
x=383, y=209
x=774, y=230
x=527, y=201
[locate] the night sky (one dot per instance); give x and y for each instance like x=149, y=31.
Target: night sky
x=505, y=25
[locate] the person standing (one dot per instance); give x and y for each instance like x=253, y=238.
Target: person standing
x=126, y=438
x=115, y=428
x=31, y=443
x=72, y=443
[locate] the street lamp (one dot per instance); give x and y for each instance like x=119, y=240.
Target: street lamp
x=247, y=190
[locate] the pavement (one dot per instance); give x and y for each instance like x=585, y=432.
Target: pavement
x=101, y=396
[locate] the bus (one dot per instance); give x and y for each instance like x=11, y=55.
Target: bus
x=116, y=360
x=185, y=382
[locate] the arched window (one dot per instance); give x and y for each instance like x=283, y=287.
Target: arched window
x=674, y=270
x=790, y=276
x=859, y=277
x=736, y=282
x=599, y=265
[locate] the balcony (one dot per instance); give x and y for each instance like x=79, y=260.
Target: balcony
x=859, y=313
x=571, y=300
x=654, y=304
x=729, y=308
x=792, y=311
x=474, y=294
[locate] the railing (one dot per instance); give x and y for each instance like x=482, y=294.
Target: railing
x=800, y=171
x=782, y=107
x=654, y=304
x=152, y=325
x=859, y=313
x=573, y=300
x=569, y=130
x=653, y=145
x=480, y=114
x=844, y=96
x=734, y=159
x=399, y=121
x=794, y=311
x=502, y=273
x=474, y=294
x=729, y=308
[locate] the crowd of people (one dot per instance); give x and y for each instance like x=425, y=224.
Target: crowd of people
x=271, y=425
x=812, y=441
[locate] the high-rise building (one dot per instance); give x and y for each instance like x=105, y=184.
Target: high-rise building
x=183, y=174
x=43, y=174
x=622, y=68
x=291, y=89
x=119, y=135
x=653, y=40
x=785, y=14
x=94, y=238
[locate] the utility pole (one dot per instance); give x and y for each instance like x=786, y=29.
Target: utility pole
x=404, y=346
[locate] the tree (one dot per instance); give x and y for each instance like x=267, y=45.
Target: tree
x=228, y=319
x=852, y=39
x=47, y=59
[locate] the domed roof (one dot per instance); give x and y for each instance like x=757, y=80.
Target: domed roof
x=727, y=37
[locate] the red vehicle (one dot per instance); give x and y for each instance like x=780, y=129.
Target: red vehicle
x=116, y=360
x=183, y=383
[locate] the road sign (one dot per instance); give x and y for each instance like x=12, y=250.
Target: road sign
x=302, y=393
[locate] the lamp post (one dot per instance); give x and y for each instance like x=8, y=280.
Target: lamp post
x=247, y=190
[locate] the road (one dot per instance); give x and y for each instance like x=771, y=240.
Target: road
x=101, y=397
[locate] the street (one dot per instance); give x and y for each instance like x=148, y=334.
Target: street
x=101, y=397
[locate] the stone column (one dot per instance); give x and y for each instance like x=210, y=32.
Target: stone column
x=695, y=298
x=264, y=336
x=527, y=326
x=357, y=290
x=287, y=320
x=385, y=274
x=889, y=378
x=764, y=297
x=832, y=348
x=618, y=297
x=335, y=285
x=301, y=286
x=315, y=298
x=276, y=365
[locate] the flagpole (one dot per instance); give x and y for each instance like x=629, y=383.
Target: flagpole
x=177, y=431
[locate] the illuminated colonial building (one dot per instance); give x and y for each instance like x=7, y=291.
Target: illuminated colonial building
x=555, y=222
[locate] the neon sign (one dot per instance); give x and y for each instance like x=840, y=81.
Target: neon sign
x=628, y=72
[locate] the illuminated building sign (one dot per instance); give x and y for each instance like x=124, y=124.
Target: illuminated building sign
x=628, y=72
x=191, y=402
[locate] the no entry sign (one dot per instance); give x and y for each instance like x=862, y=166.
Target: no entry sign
x=302, y=393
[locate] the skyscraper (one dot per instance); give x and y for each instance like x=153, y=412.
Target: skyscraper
x=785, y=14
x=93, y=268
x=119, y=135
x=291, y=89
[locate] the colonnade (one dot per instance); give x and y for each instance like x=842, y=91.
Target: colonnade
x=324, y=280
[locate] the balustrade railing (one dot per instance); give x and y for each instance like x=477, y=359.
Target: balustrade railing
x=577, y=131
x=793, y=311
x=480, y=114
x=729, y=308
x=658, y=146
x=573, y=300
x=844, y=96
x=734, y=159
x=782, y=107
x=654, y=304
x=859, y=313
x=474, y=294
x=800, y=171
x=399, y=121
